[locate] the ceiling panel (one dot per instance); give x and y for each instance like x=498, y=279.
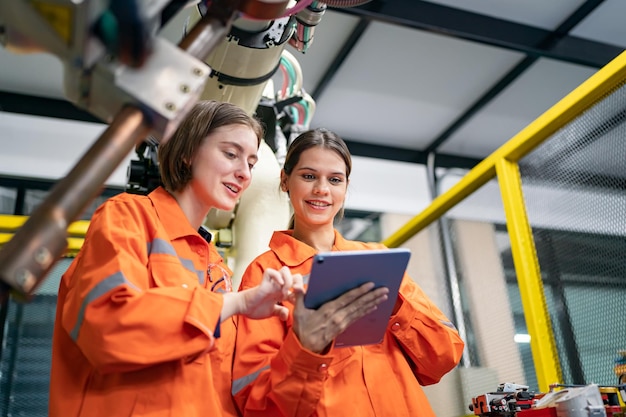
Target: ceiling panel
x=605, y=24
x=539, y=13
x=39, y=74
x=534, y=92
x=65, y=141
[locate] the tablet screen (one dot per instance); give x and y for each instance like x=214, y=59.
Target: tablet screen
x=334, y=273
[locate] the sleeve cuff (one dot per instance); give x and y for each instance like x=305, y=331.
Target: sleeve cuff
x=298, y=358
x=403, y=317
x=204, y=311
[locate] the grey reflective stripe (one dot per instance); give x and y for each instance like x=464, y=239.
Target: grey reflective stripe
x=201, y=276
x=448, y=324
x=241, y=383
x=162, y=247
x=113, y=281
x=188, y=264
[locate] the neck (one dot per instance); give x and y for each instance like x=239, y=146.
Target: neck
x=322, y=238
x=194, y=212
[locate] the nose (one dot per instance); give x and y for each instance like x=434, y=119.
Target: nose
x=244, y=172
x=321, y=187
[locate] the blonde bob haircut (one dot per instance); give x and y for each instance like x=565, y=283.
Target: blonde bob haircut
x=176, y=154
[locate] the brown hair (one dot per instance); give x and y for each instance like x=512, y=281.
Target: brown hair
x=323, y=138
x=176, y=154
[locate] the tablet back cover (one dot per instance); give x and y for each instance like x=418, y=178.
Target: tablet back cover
x=334, y=273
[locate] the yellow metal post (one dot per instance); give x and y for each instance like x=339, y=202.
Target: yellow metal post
x=542, y=342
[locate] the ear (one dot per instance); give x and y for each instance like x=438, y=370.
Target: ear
x=283, y=181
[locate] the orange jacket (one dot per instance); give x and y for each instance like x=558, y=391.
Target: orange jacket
x=134, y=331
x=275, y=376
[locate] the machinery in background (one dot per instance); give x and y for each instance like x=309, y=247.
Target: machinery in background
x=506, y=401
x=620, y=367
x=143, y=174
x=117, y=67
x=513, y=400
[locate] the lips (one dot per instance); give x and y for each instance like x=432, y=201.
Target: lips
x=235, y=189
x=318, y=204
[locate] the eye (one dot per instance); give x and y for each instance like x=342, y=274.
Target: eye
x=335, y=180
x=230, y=155
x=308, y=176
x=251, y=166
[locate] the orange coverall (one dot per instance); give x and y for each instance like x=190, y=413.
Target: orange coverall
x=275, y=376
x=136, y=316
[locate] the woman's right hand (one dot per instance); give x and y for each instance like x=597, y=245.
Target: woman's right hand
x=264, y=300
x=316, y=329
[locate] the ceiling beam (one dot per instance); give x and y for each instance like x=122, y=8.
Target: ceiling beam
x=44, y=107
x=448, y=21
x=43, y=184
x=407, y=155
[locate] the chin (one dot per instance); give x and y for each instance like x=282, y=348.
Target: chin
x=227, y=206
x=316, y=221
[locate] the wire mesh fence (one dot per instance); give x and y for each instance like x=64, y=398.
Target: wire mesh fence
x=575, y=191
x=26, y=350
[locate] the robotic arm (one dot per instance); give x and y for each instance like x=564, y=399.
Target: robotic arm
x=119, y=69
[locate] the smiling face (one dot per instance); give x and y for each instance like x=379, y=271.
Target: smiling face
x=317, y=187
x=221, y=168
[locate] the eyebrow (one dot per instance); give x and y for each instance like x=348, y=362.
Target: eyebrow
x=343, y=174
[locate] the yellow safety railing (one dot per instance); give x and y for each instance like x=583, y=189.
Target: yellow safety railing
x=503, y=163
x=76, y=231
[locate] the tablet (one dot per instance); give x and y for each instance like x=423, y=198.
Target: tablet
x=334, y=273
